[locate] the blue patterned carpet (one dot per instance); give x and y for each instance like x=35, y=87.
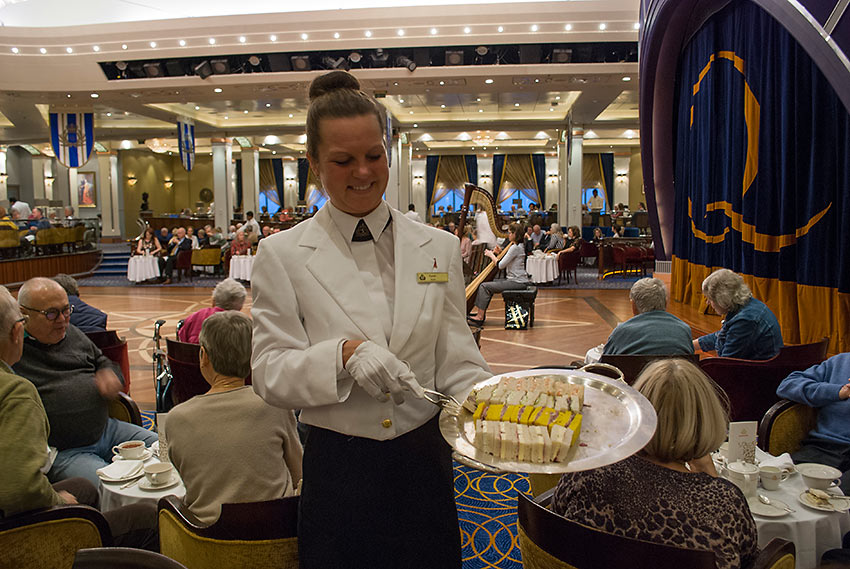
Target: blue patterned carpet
x=486, y=508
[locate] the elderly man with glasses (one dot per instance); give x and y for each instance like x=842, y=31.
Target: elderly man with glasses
x=75, y=382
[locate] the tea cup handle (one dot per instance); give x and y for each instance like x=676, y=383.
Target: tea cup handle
x=116, y=450
x=784, y=476
x=835, y=483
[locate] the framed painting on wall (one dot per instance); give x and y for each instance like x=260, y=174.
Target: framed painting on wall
x=86, y=191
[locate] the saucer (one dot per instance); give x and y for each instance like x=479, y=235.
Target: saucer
x=775, y=510
x=145, y=455
x=836, y=503
x=146, y=484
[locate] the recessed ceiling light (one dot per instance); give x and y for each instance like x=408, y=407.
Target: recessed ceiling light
x=480, y=110
x=109, y=114
x=336, y=35
x=123, y=46
x=627, y=78
x=411, y=112
x=488, y=81
x=291, y=115
x=242, y=39
x=245, y=111
x=441, y=106
x=95, y=48
x=217, y=89
x=94, y=95
x=568, y=27
x=400, y=32
x=442, y=82
x=537, y=80
x=368, y=33
x=182, y=43
x=212, y=41
x=15, y=50
x=467, y=29
x=433, y=31
x=558, y=98
x=69, y=95
x=551, y=109
x=478, y=99
x=637, y=25
x=274, y=151
x=500, y=29
x=153, y=44
x=516, y=104
x=226, y=117
x=268, y=105
x=69, y=50
x=42, y=50
x=602, y=26
x=126, y=113
x=401, y=100
x=304, y=36
x=197, y=108
x=534, y=27
x=415, y=125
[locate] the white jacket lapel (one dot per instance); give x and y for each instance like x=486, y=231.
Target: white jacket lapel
x=411, y=257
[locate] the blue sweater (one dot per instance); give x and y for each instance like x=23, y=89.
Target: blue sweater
x=656, y=332
x=750, y=333
x=818, y=387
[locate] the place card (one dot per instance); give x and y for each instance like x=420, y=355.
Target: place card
x=742, y=441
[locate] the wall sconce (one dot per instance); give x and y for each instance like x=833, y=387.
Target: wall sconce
x=621, y=175
x=168, y=184
x=4, y=177
x=48, y=180
x=131, y=180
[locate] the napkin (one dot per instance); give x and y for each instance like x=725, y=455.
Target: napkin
x=782, y=461
x=119, y=469
x=537, y=253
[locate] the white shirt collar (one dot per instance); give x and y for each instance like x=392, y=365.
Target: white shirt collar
x=376, y=220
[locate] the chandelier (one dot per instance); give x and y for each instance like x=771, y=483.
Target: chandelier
x=158, y=145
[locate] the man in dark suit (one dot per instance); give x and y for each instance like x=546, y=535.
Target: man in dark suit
x=176, y=244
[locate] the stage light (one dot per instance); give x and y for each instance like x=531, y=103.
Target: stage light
x=335, y=63
x=300, y=62
x=402, y=61
x=203, y=69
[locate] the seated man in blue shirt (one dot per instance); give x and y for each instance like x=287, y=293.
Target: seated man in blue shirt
x=825, y=386
x=652, y=330
x=84, y=316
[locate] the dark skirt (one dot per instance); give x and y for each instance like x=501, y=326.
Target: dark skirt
x=376, y=504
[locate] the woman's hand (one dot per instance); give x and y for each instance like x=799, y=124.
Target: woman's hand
x=488, y=253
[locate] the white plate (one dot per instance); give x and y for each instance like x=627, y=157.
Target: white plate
x=836, y=503
x=776, y=509
x=145, y=484
x=145, y=455
x=617, y=422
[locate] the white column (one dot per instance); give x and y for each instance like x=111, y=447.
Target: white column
x=571, y=212
x=107, y=179
x=393, y=184
x=48, y=177
x=38, y=164
x=74, y=199
x=222, y=149
x=405, y=196
x=251, y=180
x=290, y=184
x=4, y=175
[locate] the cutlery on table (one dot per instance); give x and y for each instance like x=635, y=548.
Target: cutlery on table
x=766, y=501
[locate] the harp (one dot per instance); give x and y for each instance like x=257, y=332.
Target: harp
x=482, y=198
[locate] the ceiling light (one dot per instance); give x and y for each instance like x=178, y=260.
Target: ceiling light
x=467, y=29
x=404, y=61
x=197, y=108
x=415, y=125
x=442, y=106
x=534, y=27
x=562, y=55
x=42, y=50
x=637, y=25
x=69, y=95
x=488, y=81
x=153, y=69
x=69, y=50
x=291, y=115
x=182, y=43
x=300, y=62
x=336, y=35
x=482, y=50
x=480, y=110
x=304, y=36
x=226, y=117
x=568, y=27
x=355, y=57
x=551, y=109
x=217, y=89
x=335, y=63
x=500, y=29
x=268, y=105
x=245, y=111
x=368, y=33
x=109, y=114
x=454, y=57
x=433, y=31
x=401, y=100
x=558, y=98
x=242, y=39
x=537, y=80
x=94, y=95
x=15, y=50
x=627, y=78
x=602, y=26
x=95, y=48
x=272, y=37
x=254, y=60
x=400, y=32
x=203, y=69
x=212, y=41
x=121, y=65
x=153, y=44
x=123, y=46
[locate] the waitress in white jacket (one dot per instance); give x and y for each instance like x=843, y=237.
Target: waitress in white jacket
x=355, y=311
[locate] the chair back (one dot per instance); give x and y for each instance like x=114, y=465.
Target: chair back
x=257, y=534
x=640, y=219
x=784, y=426
x=210, y=257
x=632, y=364
x=588, y=249
x=550, y=541
x=125, y=409
x=116, y=350
x=49, y=538
x=751, y=385
x=568, y=263
x=9, y=238
x=187, y=380
x=123, y=557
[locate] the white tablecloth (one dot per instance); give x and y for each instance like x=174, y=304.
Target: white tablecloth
x=542, y=269
x=142, y=267
x=240, y=267
x=112, y=496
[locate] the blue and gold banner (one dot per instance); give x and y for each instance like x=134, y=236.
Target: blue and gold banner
x=72, y=137
x=186, y=142
x=762, y=174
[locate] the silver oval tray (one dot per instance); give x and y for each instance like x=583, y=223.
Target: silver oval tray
x=617, y=422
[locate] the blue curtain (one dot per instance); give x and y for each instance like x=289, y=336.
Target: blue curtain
x=606, y=164
x=303, y=174
x=277, y=168
x=471, y=168
x=538, y=162
x=432, y=164
x=239, y=183
x=498, y=173
x=762, y=174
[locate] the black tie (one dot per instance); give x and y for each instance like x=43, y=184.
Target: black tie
x=361, y=232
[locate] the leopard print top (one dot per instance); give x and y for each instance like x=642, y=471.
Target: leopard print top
x=641, y=500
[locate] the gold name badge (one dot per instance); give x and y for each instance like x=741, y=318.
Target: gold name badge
x=424, y=278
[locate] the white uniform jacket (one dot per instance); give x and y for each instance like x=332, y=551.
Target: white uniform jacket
x=308, y=297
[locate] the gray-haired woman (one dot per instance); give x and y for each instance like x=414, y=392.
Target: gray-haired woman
x=749, y=329
x=229, y=294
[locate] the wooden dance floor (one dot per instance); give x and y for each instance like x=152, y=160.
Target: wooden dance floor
x=567, y=324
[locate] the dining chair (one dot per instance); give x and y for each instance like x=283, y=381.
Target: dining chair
x=185, y=367
x=49, y=538
x=632, y=364
x=123, y=557
x=259, y=535
x=125, y=409
x=115, y=349
x=784, y=426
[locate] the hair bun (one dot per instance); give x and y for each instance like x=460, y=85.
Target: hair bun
x=333, y=81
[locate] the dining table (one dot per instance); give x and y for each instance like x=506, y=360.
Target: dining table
x=542, y=269
x=142, y=267
x=241, y=266
x=116, y=494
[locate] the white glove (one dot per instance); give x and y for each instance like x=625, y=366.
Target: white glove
x=379, y=372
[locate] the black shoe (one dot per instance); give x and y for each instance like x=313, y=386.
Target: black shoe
x=475, y=322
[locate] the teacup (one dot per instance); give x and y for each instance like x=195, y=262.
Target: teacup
x=130, y=449
x=819, y=476
x=771, y=476
x=158, y=473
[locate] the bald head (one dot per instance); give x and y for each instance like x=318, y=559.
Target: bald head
x=40, y=295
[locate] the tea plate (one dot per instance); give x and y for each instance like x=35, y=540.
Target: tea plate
x=836, y=503
x=775, y=510
x=146, y=484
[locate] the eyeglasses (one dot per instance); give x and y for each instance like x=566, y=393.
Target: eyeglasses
x=53, y=313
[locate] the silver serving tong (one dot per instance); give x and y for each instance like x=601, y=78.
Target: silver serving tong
x=445, y=402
